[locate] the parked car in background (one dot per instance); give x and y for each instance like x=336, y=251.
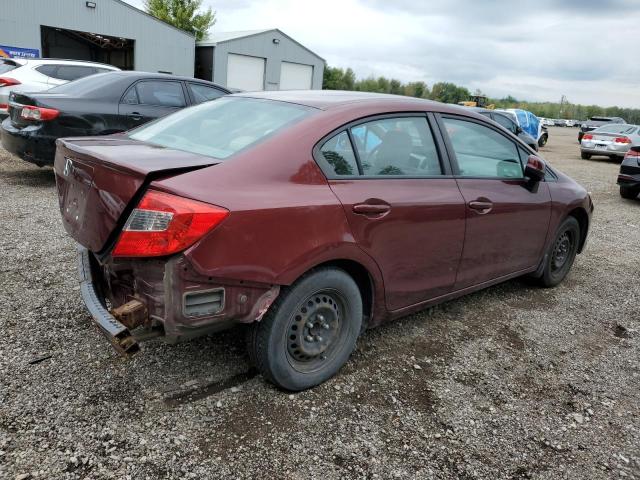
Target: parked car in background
x=629, y=176
x=36, y=75
x=527, y=121
x=595, y=122
x=506, y=120
x=611, y=141
x=571, y=123
x=559, y=122
x=544, y=136
x=99, y=105
x=274, y=209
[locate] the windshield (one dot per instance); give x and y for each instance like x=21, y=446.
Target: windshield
x=616, y=129
x=85, y=85
x=219, y=128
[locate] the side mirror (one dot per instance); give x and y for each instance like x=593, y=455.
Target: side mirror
x=535, y=168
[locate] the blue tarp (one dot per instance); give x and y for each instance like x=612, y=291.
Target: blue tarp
x=528, y=122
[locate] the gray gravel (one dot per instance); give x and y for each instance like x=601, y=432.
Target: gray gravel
x=511, y=382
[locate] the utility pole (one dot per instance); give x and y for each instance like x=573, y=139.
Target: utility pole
x=563, y=102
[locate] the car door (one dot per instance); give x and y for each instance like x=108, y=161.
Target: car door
x=403, y=206
x=147, y=100
x=507, y=217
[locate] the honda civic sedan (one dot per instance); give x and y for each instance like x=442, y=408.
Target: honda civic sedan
x=310, y=216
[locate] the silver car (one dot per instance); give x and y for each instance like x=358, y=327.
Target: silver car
x=38, y=74
x=613, y=141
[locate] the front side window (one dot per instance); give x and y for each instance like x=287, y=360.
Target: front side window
x=505, y=122
x=161, y=93
x=221, y=127
x=397, y=146
x=337, y=158
x=481, y=151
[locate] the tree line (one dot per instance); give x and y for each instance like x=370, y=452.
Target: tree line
x=447, y=92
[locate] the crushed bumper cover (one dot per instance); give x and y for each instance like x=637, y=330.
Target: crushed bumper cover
x=118, y=334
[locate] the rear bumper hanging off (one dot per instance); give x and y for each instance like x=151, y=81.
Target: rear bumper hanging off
x=117, y=333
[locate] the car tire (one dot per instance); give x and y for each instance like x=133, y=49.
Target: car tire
x=629, y=192
x=561, y=254
x=585, y=156
x=542, y=141
x=309, y=331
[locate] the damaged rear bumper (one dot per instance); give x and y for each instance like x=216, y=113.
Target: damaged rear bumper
x=118, y=334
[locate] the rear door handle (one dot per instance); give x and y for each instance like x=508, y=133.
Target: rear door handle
x=371, y=209
x=481, y=206
x=135, y=115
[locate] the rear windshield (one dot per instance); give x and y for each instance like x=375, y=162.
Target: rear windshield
x=616, y=129
x=7, y=66
x=86, y=85
x=221, y=127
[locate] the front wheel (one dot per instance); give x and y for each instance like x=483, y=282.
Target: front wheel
x=543, y=140
x=561, y=254
x=309, y=332
x=585, y=156
x=629, y=192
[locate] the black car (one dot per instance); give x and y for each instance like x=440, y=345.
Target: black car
x=97, y=105
x=595, y=122
x=629, y=176
x=505, y=120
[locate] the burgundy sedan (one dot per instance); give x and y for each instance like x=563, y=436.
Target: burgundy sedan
x=310, y=216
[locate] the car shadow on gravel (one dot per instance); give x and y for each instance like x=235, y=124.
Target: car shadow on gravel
x=31, y=177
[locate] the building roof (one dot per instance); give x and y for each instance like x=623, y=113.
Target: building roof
x=139, y=10
x=221, y=37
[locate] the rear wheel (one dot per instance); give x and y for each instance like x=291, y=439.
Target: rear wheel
x=585, y=156
x=629, y=192
x=309, y=332
x=561, y=253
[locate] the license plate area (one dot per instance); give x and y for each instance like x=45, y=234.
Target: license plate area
x=76, y=178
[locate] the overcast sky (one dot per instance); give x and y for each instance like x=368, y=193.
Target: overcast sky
x=531, y=49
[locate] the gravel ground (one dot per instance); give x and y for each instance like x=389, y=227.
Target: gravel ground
x=510, y=382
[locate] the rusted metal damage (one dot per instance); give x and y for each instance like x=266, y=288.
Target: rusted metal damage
x=131, y=314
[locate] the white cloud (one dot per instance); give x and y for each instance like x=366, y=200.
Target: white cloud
x=531, y=49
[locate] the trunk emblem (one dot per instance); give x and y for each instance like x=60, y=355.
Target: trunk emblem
x=68, y=166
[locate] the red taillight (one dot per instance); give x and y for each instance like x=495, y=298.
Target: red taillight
x=8, y=82
x=3, y=106
x=38, y=114
x=163, y=224
x=622, y=140
x=587, y=136
x=632, y=153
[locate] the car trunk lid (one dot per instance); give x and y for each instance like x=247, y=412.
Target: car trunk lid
x=99, y=180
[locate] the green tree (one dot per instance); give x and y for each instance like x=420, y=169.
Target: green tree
x=449, y=92
x=183, y=14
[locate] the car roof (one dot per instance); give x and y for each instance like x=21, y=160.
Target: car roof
x=328, y=99
x=46, y=61
x=134, y=74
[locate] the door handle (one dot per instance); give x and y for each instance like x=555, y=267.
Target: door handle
x=135, y=115
x=481, y=206
x=371, y=209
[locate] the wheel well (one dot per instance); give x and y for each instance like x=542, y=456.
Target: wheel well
x=364, y=281
x=583, y=220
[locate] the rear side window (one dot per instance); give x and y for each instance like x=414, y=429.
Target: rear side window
x=6, y=66
x=203, y=93
x=72, y=72
x=48, y=70
x=160, y=93
x=397, y=146
x=337, y=157
x=481, y=151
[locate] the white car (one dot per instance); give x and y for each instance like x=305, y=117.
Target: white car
x=22, y=75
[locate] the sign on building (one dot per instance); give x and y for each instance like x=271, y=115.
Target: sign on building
x=17, y=52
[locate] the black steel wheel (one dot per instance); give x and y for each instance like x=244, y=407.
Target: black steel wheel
x=561, y=254
x=310, y=330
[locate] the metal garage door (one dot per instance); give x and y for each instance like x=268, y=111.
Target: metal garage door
x=245, y=72
x=295, y=76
